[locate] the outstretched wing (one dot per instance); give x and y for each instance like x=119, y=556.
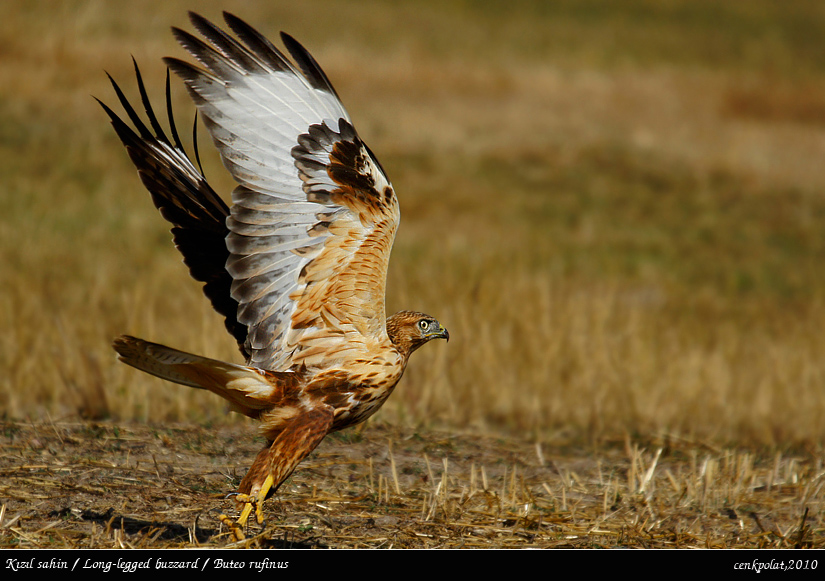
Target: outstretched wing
x=184, y=198
x=314, y=216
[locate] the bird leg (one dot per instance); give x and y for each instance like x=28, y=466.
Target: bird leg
x=272, y=466
x=256, y=501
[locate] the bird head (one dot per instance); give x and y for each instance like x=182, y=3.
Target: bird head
x=409, y=330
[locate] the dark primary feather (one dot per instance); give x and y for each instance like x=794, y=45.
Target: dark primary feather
x=226, y=45
x=184, y=198
x=309, y=66
x=258, y=44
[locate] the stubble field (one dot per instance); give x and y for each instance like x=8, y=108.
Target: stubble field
x=616, y=212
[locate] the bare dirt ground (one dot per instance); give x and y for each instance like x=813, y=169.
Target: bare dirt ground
x=104, y=485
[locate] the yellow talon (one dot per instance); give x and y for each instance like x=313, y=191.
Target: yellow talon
x=249, y=501
x=237, y=532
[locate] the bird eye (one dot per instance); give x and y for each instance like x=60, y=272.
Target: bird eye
x=424, y=325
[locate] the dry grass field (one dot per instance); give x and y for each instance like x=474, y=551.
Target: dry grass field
x=91, y=485
x=616, y=209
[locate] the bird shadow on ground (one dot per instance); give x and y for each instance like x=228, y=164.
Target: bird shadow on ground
x=172, y=532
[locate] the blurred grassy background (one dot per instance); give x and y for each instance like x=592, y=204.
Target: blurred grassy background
x=616, y=209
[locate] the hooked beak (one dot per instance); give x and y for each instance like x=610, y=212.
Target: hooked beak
x=442, y=333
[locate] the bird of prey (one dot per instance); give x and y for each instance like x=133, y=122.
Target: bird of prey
x=297, y=265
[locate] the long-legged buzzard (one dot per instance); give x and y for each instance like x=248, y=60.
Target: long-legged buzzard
x=297, y=265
